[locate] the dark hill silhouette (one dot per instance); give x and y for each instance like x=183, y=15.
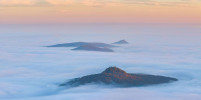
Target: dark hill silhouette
x=78, y=44
x=117, y=77
x=121, y=42
x=93, y=48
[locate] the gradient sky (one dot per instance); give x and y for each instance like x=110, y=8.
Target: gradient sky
x=100, y=11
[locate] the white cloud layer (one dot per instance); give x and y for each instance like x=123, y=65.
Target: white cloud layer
x=32, y=72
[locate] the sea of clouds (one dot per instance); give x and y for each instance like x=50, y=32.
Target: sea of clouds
x=30, y=71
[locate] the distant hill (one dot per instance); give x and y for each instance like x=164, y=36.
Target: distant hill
x=78, y=44
x=117, y=77
x=93, y=48
x=121, y=42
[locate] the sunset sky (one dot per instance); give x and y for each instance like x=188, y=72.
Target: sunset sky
x=100, y=11
x=164, y=39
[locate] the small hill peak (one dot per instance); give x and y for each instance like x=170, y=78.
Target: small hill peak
x=121, y=42
x=114, y=70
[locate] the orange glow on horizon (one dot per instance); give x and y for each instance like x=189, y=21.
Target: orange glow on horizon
x=90, y=11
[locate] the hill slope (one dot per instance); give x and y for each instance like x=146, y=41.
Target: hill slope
x=93, y=48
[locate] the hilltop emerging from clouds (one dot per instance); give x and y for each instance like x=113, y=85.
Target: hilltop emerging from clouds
x=91, y=46
x=117, y=77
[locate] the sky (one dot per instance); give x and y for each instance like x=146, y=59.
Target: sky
x=100, y=11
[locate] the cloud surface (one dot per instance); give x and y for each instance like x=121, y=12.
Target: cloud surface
x=30, y=71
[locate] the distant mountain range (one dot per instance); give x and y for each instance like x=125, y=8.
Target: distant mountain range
x=117, y=77
x=91, y=46
x=78, y=44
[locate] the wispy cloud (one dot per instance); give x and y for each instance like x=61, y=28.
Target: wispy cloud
x=162, y=3
x=59, y=2
x=94, y=2
x=17, y=2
